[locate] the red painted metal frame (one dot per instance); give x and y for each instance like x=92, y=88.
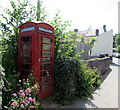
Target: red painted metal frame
x=37, y=63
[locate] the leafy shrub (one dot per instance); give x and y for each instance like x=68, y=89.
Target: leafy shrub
x=26, y=96
x=73, y=78
x=117, y=40
x=9, y=87
x=24, y=99
x=118, y=48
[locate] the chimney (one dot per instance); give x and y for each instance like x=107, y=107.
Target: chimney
x=75, y=30
x=104, y=28
x=97, y=32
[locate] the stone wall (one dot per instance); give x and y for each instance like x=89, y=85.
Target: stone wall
x=85, y=48
x=101, y=64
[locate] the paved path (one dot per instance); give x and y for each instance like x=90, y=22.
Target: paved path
x=106, y=96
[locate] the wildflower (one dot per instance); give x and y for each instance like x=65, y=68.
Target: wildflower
x=38, y=89
x=32, y=107
x=28, y=90
x=34, y=99
x=14, y=95
x=32, y=87
x=27, y=101
x=10, y=109
x=22, y=106
x=27, y=80
x=21, y=91
x=22, y=95
x=30, y=99
x=14, y=103
x=20, y=81
x=23, y=102
x=23, y=80
x=29, y=94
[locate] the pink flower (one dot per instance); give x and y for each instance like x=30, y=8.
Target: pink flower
x=22, y=106
x=22, y=95
x=38, y=90
x=23, y=102
x=14, y=95
x=28, y=90
x=32, y=87
x=34, y=100
x=30, y=99
x=21, y=91
x=9, y=109
x=18, y=84
x=27, y=101
x=32, y=107
x=29, y=94
x=14, y=103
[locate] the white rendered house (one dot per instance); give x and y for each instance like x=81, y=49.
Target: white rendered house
x=104, y=44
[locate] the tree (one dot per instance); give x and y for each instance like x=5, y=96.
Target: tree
x=64, y=38
x=41, y=13
x=117, y=42
x=20, y=12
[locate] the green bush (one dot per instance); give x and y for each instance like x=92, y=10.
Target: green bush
x=73, y=78
x=118, y=48
x=117, y=40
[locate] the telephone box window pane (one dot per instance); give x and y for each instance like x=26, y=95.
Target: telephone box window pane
x=45, y=87
x=46, y=40
x=47, y=46
x=25, y=72
x=46, y=73
x=26, y=66
x=45, y=66
x=26, y=59
x=46, y=53
x=46, y=79
x=26, y=53
x=46, y=60
x=26, y=46
x=26, y=39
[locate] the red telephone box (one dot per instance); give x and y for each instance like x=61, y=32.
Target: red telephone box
x=36, y=54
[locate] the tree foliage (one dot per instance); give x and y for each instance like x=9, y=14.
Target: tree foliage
x=117, y=40
x=20, y=12
x=64, y=39
x=13, y=18
x=118, y=48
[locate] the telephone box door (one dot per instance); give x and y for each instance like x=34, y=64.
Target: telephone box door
x=45, y=64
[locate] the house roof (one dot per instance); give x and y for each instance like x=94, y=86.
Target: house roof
x=89, y=32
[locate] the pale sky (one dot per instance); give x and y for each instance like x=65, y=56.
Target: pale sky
x=83, y=13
